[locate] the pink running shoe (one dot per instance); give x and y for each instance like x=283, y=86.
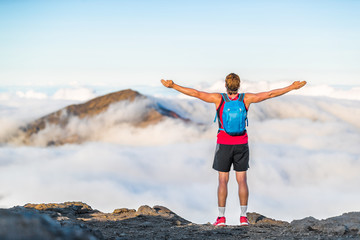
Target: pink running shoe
x=220, y=221
x=244, y=221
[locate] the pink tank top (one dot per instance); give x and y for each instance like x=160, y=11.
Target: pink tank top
x=222, y=136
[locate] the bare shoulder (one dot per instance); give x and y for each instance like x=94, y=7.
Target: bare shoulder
x=209, y=97
x=248, y=95
x=214, y=98
x=250, y=98
x=217, y=95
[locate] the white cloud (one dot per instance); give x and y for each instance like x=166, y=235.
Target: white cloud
x=4, y=96
x=31, y=94
x=116, y=126
x=77, y=93
x=305, y=160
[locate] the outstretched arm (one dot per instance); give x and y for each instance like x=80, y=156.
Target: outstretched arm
x=258, y=97
x=207, y=97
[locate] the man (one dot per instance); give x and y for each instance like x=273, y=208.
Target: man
x=232, y=150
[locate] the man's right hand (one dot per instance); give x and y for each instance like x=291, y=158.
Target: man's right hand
x=167, y=83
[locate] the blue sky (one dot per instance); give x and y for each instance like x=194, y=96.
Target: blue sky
x=120, y=43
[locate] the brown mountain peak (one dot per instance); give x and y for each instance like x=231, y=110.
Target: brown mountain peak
x=152, y=114
x=100, y=104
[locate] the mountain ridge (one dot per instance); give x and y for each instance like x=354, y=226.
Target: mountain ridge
x=155, y=112
x=77, y=220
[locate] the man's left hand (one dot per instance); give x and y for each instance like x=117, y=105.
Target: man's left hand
x=167, y=83
x=298, y=84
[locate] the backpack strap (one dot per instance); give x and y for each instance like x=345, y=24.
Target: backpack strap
x=225, y=97
x=241, y=97
x=221, y=128
x=221, y=103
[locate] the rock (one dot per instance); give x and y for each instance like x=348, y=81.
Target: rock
x=160, y=211
x=77, y=220
x=346, y=224
x=21, y=224
x=256, y=218
x=163, y=210
x=123, y=211
x=303, y=224
x=64, y=208
x=351, y=222
x=253, y=218
x=146, y=210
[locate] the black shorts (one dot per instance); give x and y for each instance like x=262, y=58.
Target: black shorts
x=225, y=155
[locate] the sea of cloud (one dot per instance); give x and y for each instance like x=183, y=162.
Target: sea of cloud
x=305, y=156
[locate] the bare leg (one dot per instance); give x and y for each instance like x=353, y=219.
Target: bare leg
x=222, y=188
x=243, y=187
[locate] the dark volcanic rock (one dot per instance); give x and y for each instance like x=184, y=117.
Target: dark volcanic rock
x=64, y=208
x=256, y=218
x=22, y=224
x=347, y=224
x=76, y=220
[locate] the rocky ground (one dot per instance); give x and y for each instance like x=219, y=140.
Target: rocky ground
x=78, y=221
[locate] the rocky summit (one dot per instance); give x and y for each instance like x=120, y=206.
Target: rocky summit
x=153, y=114
x=78, y=221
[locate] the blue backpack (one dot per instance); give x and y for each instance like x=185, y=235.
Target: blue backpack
x=234, y=116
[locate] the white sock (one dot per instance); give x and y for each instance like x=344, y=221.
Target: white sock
x=243, y=211
x=221, y=211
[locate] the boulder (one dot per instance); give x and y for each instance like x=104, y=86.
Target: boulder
x=123, y=211
x=64, y=208
x=256, y=218
x=346, y=224
x=20, y=224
